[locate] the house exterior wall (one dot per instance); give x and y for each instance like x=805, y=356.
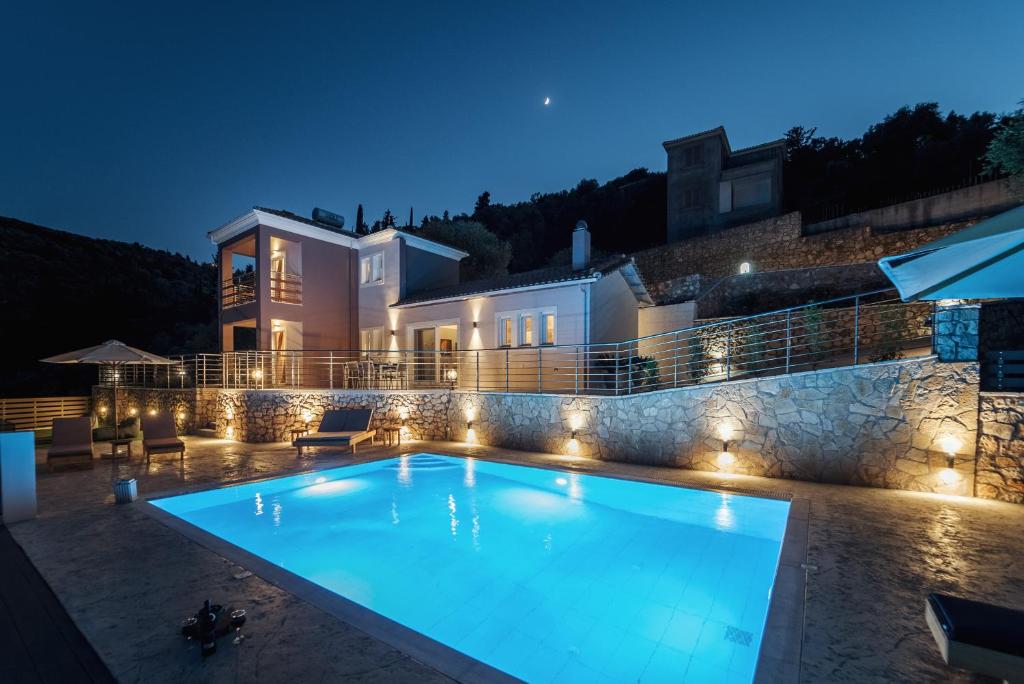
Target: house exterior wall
x=613, y=310
x=328, y=277
x=658, y=319
x=374, y=299
x=423, y=270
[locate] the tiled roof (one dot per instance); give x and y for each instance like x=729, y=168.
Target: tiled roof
x=540, y=276
x=302, y=219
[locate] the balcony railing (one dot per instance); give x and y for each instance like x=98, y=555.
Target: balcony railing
x=286, y=288
x=841, y=332
x=240, y=289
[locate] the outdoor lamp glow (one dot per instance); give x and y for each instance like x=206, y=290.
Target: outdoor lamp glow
x=452, y=375
x=257, y=374
x=307, y=417
x=948, y=476
x=950, y=444
x=726, y=460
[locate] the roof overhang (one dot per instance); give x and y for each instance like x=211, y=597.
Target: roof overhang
x=984, y=261
x=256, y=217
x=631, y=274
x=382, y=236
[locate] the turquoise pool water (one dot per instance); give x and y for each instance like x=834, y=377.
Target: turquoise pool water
x=546, y=575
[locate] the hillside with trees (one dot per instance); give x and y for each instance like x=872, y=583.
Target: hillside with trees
x=60, y=291
x=914, y=151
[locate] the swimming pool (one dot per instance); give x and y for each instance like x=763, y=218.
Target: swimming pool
x=543, y=574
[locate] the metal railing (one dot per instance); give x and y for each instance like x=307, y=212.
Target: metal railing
x=848, y=331
x=286, y=288
x=240, y=289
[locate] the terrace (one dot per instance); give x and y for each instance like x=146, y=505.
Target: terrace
x=128, y=580
x=848, y=331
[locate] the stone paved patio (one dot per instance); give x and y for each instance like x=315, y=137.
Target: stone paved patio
x=127, y=580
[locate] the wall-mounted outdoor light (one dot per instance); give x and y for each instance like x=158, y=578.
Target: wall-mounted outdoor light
x=393, y=332
x=475, y=324
x=725, y=458
x=103, y=411
x=307, y=417
x=133, y=411
x=950, y=444
x=152, y=411
x=257, y=374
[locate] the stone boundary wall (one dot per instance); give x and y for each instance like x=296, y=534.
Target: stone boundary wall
x=772, y=245
x=1001, y=446
x=751, y=293
x=983, y=199
x=876, y=424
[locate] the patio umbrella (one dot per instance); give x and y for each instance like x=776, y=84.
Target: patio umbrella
x=114, y=355
x=984, y=261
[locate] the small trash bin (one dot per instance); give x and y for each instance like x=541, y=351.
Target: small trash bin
x=126, y=491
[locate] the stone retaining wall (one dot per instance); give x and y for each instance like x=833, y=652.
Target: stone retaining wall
x=771, y=245
x=876, y=424
x=1001, y=447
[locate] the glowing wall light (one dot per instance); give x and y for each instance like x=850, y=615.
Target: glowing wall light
x=950, y=444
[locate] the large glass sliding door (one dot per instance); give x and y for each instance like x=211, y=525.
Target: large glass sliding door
x=424, y=357
x=435, y=352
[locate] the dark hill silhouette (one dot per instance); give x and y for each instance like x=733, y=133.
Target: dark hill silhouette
x=61, y=291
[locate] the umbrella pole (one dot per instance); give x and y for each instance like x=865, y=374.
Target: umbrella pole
x=117, y=434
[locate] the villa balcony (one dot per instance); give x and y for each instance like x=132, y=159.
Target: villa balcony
x=285, y=288
x=239, y=290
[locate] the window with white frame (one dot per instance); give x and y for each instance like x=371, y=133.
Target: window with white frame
x=371, y=269
x=547, y=328
x=526, y=330
x=504, y=331
x=371, y=339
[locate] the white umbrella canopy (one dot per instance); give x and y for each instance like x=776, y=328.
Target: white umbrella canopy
x=984, y=261
x=111, y=353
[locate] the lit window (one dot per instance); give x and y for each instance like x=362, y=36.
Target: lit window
x=371, y=339
x=547, y=328
x=525, y=331
x=745, y=267
x=371, y=269
x=505, y=332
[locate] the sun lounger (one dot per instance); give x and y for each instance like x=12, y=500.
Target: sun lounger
x=72, y=440
x=342, y=427
x=978, y=637
x=159, y=436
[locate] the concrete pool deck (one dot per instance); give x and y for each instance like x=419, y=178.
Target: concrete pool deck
x=127, y=580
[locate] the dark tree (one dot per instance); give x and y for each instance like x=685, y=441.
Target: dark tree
x=410, y=224
x=483, y=203
x=360, y=224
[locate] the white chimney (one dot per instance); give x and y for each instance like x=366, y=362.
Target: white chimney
x=580, y=246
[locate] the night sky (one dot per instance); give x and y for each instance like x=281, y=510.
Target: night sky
x=155, y=122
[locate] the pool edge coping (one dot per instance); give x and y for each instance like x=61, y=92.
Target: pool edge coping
x=783, y=628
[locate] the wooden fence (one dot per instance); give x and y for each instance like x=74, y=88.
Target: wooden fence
x=37, y=413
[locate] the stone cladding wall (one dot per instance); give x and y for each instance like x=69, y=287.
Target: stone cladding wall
x=877, y=425
x=771, y=245
x=1001, y=447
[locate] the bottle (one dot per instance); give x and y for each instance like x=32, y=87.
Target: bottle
x=207, y=630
